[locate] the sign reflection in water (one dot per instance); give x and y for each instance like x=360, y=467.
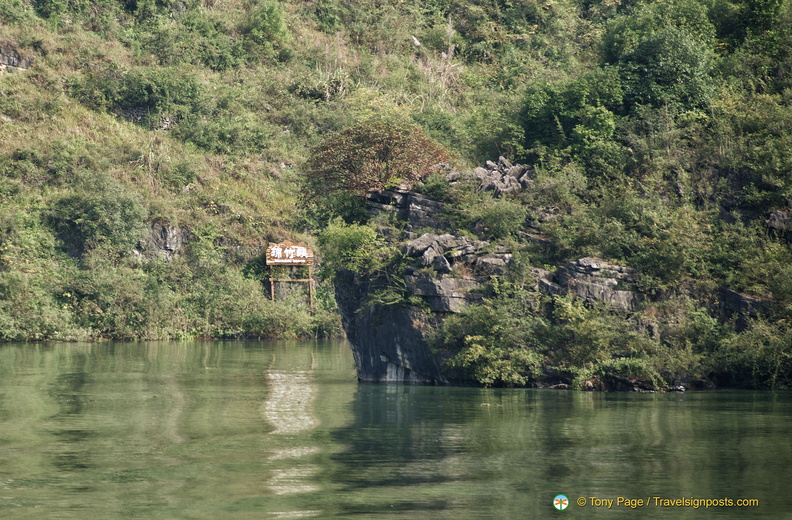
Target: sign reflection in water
x=288, y=408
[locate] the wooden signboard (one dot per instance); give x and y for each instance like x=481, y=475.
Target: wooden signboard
x=290, y=253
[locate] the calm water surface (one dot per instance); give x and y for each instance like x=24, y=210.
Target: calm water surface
x=238, y=430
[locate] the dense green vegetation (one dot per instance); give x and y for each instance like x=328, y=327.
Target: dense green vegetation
x=659, y=132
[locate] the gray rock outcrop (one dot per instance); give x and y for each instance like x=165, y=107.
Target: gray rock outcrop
x=742, y=306
x=389, y=342
x=503, y=176
x=780, y=221
x=416, y=210
x=11, y=60
x=447, y=272
x=441, y=251
x=163, y=241
x=443, y=293
x=594, y=280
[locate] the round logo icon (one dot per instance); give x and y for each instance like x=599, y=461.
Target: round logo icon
x=560, y=502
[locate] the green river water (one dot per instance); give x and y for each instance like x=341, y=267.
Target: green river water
x=249, y=430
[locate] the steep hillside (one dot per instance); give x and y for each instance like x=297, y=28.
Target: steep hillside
x=124, y=120
x=150, y=149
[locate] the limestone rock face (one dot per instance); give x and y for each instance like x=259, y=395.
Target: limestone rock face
x=416, y=210
x=167, y=238
x=594, y=280
x=429, y=246
x=443, y=271
x=388, y=341
x=743, y=306
x=443, y=293
x=163, y=241
x=11, y=60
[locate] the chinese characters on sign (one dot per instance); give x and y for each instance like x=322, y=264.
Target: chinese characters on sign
x=289, y=253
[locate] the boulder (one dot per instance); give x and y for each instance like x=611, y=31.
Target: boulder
x=430, y=255
x=517, y=171
x=490, y=264
x=419, y=245
x=441, y=265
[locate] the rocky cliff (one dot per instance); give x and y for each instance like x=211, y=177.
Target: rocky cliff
x=444, y=271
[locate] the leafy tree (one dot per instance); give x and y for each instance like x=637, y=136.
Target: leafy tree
x=625, y=33
x=662, y=49
x=759, y=15
x=372, y=156
x=552, y=113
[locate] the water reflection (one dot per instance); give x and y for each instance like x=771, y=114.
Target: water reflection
x=471, y=453
x=288, y=406
x=282, y=430
x=288, y=409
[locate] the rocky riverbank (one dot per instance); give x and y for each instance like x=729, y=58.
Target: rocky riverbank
x=447, y=270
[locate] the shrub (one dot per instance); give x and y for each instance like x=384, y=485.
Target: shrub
x=625, y=33
x=491, y=347
x=577, y=120
x=225, y=133
x=435, y=186
x=194, y=38
x=759, y=357
x=668, y=67
x=53, y=8
x=496, y=219
x=28, y=310
x=15, y=12
x=348, y=246
x=103, y=213
x=152, y=91
x=266, y=29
